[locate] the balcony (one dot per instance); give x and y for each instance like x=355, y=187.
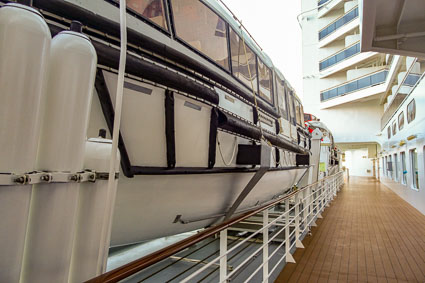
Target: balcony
x=406, y=87
x=355, y=85
x=340, y=56
x=321, y=2
x=338, y=23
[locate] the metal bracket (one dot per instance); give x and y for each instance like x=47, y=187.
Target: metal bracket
x=41, y=177
x=264, y=167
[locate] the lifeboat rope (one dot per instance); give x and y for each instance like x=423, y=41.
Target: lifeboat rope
x=233, y=154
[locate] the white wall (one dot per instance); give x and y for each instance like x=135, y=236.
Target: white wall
x=357, y=161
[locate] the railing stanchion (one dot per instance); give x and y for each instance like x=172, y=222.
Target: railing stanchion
x=298, y=243
x=288, y=257
x=266, y=246
x=223, y=251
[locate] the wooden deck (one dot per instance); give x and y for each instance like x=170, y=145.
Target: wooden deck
x=368, y=234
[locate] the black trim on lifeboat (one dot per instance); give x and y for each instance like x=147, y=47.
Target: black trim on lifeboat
x=109, y=113
x=111, y=28
x=213, y=138
x=139, y=170
x=169, y=129
x=233, y=124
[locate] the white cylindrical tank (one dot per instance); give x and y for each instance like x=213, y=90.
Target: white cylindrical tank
x=96, y=205
x=69, y=91
x=24, y=49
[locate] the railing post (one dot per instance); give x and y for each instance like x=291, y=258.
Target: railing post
x=223, y=251
x=266, y=246
x=298, y=243
x=289, y=257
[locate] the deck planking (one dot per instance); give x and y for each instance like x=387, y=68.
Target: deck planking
x=368, y=234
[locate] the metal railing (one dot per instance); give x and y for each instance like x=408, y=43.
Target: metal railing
x=302, y=208
x=369, y=80
x=340, y=56
x=339, y=22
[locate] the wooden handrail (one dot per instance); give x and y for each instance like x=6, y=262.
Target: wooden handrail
x=133, y=267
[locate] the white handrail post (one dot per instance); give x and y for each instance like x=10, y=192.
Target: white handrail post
x=223, y=251
x=298, y=243
x=289, y=257
x=266, y=246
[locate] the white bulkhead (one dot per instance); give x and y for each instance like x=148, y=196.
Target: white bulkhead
x=69, y=89
x=24, y=48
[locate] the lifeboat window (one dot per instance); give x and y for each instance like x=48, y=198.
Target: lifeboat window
x=265, y=75
x=415, y=172
x=202, y=29
x=153, y=10
x=302, y=114
x=401, y=121
x=241, y=61
x=291, y=107
x=389, y=132
x=403, y=168
x=411, y=111
x=281, y=98
x=394, y=128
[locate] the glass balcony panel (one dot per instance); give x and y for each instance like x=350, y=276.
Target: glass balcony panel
x=340, y=56
x=359, y=84
x=339, y=23
x=365, y=82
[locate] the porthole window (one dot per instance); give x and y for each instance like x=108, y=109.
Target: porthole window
x=411, y=111
x=401, y=121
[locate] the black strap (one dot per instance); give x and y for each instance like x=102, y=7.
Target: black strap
x=169, y=129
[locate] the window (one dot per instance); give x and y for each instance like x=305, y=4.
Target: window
x=403, y=168
x=281, y=94
x=383, y=166
x=411, y=111
x=386, y=166
x=390, y=167
x=297, y=112
x=265, y=75
x=394, y=128
x=291, y=107
x=401, y=121
x=240, y=59
x=202, y=29
x=396, y=173
x=414, y=164
x=152, y=10
x=302, y=115
x=389, y=132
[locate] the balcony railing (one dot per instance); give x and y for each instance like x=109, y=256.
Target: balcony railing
x=352, y=86
x=340, y=56
x=410, y=80
x=335, y=25
x=321, y=2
